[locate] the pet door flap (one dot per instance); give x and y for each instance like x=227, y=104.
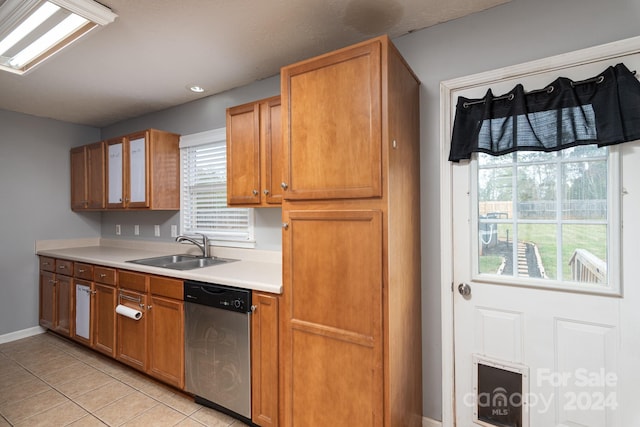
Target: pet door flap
x=501, y=390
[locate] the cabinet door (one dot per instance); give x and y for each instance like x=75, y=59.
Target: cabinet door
x=47, y=298
x=166, y=340
x=131, y=336
x=62, y=323
x=79, y=199
x=95, y=175
x=264, y=360
x=332, y=336
x=137, y=194
x=104, y=319
x=243, y=155
x=332, y=125
x=115, y=173
x=273, y=155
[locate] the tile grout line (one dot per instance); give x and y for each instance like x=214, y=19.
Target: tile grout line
x=74, y=351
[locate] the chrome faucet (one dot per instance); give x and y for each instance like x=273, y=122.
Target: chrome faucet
x=204, y=246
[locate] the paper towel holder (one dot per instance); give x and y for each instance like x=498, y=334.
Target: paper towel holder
x=137, y=300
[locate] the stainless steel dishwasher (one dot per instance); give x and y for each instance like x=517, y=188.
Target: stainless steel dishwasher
x=218, y=347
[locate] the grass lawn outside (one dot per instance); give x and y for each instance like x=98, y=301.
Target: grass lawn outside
x=592, y=237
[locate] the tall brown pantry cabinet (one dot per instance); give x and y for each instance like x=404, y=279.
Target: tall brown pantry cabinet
x=351, y=331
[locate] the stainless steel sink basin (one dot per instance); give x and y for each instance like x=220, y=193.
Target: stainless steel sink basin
x=181, y=262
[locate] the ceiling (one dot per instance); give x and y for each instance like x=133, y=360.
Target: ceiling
x=146, y=60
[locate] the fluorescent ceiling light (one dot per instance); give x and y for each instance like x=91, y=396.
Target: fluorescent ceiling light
x=33, y=30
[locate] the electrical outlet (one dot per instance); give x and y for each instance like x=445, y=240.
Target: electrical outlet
x=156, y=230
x=136, y=230
x=174, y=231
x=118, y=231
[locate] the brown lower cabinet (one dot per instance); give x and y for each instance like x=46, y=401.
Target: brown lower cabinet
x=131, y=335
x=165, y=328
x=154, y=344
x=264, y=360
x=55, y=290
x=47, y=299
x=103, y=327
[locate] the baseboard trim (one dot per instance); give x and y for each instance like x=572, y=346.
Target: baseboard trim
x=17, y=335
x=429, y=422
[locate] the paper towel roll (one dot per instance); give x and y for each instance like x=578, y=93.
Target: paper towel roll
x=131, y=313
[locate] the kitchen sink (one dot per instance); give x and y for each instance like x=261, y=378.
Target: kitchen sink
x=181, y=262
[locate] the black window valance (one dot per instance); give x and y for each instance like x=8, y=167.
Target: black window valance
x=603, y=110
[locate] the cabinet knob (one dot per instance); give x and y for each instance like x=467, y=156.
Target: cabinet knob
x=266, y=192
x=284, y=186
x=254, y=308
x=255, y=192
x=103, y=275
x=62, y=267
x=81, y=270
x=285, y=225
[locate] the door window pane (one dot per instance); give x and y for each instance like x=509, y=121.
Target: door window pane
x=544, y=216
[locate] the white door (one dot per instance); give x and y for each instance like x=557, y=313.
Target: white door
x=531, y=346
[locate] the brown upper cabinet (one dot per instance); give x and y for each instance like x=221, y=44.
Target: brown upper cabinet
x=333, y=125
x=254, y=154
x=143, y=171
x=88, y=177
x=350, y=308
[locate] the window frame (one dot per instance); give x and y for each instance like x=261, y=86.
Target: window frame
x=614, y=234
x=204, y=138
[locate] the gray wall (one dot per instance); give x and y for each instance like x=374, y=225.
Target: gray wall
x=196, y=116
x=34, y=152
x=519, y=31
x=35, y=200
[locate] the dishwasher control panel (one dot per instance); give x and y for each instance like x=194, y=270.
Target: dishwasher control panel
x=218, y=296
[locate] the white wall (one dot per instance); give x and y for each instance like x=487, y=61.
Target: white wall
x=34, y=205
x=519, y=31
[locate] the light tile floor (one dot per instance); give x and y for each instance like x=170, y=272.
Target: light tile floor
x=46, y=380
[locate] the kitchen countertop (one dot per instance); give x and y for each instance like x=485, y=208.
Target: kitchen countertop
x=256, y=270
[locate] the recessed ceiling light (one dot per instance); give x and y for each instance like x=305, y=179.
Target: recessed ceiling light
x=196, y=89
x=33, y=30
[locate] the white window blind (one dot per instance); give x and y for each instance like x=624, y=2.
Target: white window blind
x=204, y=192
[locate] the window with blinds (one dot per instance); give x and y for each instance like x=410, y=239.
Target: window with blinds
x=204, y=193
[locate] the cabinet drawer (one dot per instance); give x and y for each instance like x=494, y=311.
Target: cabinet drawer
x=47, y=264
x=64, y=267
x=134, y=281
x=104, y=275
x=166, y=287
x=83, y=271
